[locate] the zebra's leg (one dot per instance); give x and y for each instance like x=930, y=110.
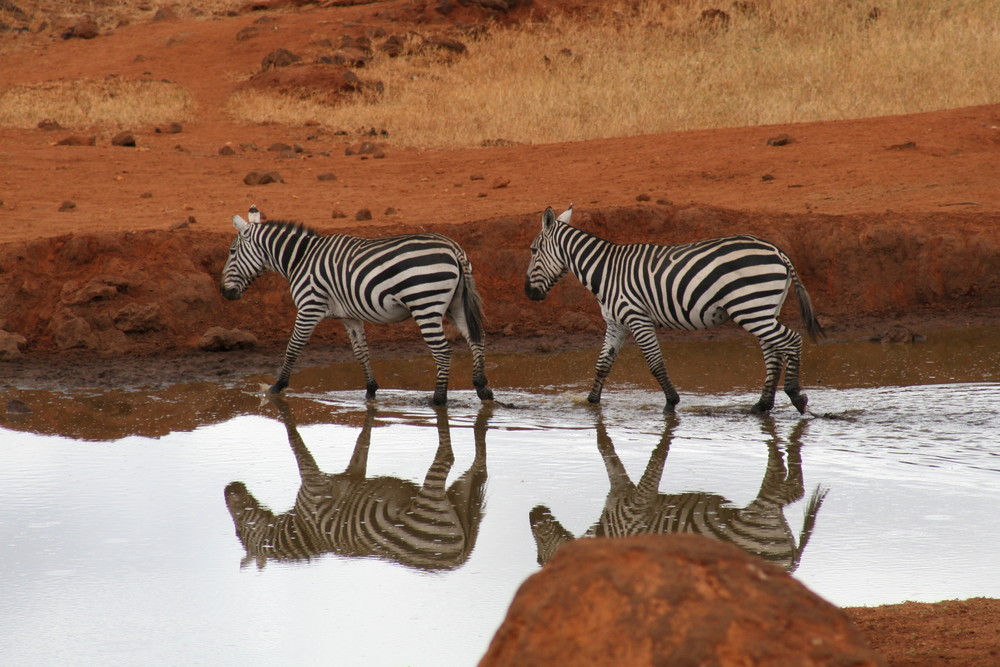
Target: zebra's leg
x=479, y=381
x=359, y=345
x=614, y=338
x=305, y=324
x=431, y=325
x=773, y=362
x=792, y=351
x=645, y=337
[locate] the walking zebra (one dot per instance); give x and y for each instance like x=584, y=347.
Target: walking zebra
x=357, y=280
x=699, y=285
x=429, y=527
x=759, y=528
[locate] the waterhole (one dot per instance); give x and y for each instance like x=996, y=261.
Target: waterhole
x=199, y=523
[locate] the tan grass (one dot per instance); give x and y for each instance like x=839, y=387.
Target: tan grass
x=112, y=102
x=654, y=67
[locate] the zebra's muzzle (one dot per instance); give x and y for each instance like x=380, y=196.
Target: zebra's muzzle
x=231, y=293
x=534, y=293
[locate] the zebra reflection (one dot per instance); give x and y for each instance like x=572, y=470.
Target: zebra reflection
x=759, y=528
x=429, y=526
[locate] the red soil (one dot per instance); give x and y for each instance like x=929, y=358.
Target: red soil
x=888, y=219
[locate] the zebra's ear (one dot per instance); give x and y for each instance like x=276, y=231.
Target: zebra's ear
x=548, y=218
x=566, y=215
x=240, y=224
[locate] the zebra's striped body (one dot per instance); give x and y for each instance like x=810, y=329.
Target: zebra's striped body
x=759, y=528
x=430, y=526
x=358, y=280
x=643, y=286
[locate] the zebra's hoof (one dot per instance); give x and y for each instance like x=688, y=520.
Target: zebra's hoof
x=439, y=399
x=485, y=394
x=594, y=399
x=276, y=388
x=761, y=408
x=800, y=402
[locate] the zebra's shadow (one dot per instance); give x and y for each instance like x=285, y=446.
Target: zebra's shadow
x=760, y=528
x=428, y=526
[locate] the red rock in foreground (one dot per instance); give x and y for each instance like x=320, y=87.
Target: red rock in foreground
x=670, y=600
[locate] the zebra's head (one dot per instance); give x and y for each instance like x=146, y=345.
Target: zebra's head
x=548, y=263
x=246, y=261
x=549, y=534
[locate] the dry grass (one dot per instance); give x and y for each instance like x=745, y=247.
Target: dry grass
x=112, y=102
x=651, y=67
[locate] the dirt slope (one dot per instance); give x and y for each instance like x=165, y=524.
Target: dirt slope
x=887, y=219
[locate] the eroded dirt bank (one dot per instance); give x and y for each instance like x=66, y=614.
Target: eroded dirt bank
x=138, y=293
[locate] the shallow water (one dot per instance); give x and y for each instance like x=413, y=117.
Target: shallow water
x=119, y=546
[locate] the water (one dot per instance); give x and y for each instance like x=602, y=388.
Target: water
x=118, y=546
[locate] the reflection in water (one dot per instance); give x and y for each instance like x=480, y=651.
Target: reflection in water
x=759, y=528
x=429, y=526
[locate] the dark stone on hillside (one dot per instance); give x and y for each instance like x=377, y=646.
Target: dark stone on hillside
x=781, y=140
x=48, y=125
x=446, y=44
x=85, y=28
x=257, y=178
x=714, y=19
x=363, y=214
x=279, y=58
x=123, y=139
x=172, y=128
x=328, y=176
x=337, y=213
x=67, y=206
x=393, y=46
x=77, y=140
x=227, y=150
x=165, y=14
x=279, y=147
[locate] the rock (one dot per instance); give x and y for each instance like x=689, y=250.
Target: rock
x=279, y=58
x=781, y=140
x=172, y=128
x=11, y=345
x=670, y=600
x=363, y=214
x=136, y=318
x=16, y=407
x=898, y=334
x=85, y=28
x=67, y=206
x=123, y=139
x=327, y=176
x=257, y=178
x=99, y=289
x=77, y=140
x=49, y=125
x=72, y=332
x=227, y=150
x=219, y=339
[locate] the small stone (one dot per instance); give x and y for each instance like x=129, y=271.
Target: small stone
x=67, y=206
x=363, y=214
x=337, y=213
x=227, y=150
x=123, y=139
x=781, y=140
x=328, y=176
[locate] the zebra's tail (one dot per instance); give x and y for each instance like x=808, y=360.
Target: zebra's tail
x=472, y=302
x=813, y=326
x=812, y=509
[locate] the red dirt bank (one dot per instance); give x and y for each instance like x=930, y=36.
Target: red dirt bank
x=887, y=219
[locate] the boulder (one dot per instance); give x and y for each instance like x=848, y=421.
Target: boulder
x=670, y=600
x=219, y=339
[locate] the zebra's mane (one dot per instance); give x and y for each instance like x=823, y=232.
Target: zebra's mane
x=291, y=226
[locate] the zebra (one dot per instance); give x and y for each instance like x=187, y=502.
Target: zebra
x=358, y=280
x=698, y=285
x=429, y=526
x=630, y=509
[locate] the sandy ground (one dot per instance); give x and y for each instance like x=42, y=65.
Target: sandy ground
x=891, y=221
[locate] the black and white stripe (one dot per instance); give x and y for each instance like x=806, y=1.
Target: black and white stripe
x=430, y=526
x=358, y=280
x=630, y=509
x=643, y=286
